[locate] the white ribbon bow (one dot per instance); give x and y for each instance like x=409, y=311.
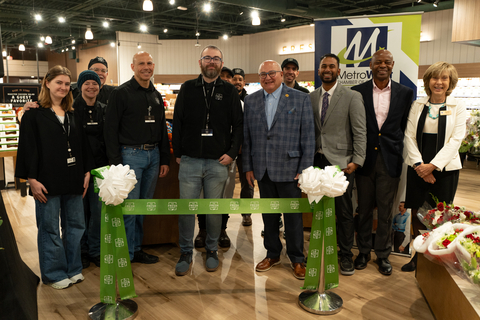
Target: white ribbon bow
x=117, y=183
x=317, y=183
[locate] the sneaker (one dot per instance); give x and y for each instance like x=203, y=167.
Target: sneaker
x=346, y=266
x=211, y=264
x=183, y=264
x=63, y=284
x=143, y=257
x=77, y=278
x=224, y=240
x=200, y=239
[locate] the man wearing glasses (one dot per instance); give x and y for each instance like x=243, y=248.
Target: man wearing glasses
x=279, y=142
x=100, y=66
x=207, y=134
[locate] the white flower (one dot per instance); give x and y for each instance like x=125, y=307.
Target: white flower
x=117, y=183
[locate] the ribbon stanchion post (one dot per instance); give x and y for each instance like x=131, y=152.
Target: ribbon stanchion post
x=322, y=186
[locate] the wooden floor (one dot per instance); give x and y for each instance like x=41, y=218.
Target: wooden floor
x=235, y=290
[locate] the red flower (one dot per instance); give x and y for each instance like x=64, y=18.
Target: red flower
x=446, y=242
x=440, y=206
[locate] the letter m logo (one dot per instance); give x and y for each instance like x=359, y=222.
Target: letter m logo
x=362, y=43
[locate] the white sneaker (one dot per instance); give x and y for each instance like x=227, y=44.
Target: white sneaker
x=77, y=278
x=63, y=284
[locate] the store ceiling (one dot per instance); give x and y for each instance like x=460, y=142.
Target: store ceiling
x=230, y=17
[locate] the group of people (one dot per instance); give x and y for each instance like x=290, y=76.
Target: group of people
x=271, y=135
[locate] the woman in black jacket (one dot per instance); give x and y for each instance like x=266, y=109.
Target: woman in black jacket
x=53, y=156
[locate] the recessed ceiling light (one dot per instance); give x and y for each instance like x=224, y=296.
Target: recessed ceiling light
x=61, y=19
x=207, y=7
x=172, y=2
x=112, y=44
x=73, y=41
x=165, y=30
x=40, y=45
x=105, y=24
x=225, y=37
x=38, y=17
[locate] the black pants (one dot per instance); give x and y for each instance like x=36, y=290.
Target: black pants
x=376, y=189
x=293, y=221
x=246, y=191
x=343, y=211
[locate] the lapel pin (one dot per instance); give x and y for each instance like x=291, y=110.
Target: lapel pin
x=286, y=95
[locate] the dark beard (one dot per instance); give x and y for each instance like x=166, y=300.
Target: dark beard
x=329, y=81
x=211, y=74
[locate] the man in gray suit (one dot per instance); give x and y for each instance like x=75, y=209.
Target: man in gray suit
x=279, y=139
x=340, y=134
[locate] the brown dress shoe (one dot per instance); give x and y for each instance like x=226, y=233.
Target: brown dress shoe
x=246, y=220
x=298, y=270
x=267, y=264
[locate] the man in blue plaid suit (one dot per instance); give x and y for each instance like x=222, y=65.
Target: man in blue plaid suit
x=279, y=142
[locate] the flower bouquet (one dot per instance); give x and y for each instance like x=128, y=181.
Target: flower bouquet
x=442, y=213
x=443, y=244
x=468, y=253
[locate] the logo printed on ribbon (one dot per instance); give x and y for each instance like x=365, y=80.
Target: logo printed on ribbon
x=125, y=282
x=108, y=279
x=330, y=268
x=172, y=206
x=319, y=215
x=119, y=242
x=213, y=205
x=328, y=231
x=108, y=238
x=130, y=206
x=122, y=263
x=108, y=299
x=108, y=259
x=312, y=272
x=317, y=234
x=151, y=206
x=274, y=205
x=329, y=250
x=116, y=222
x=254, y=205
x=193, y=206
x=328, y=212
x=294, y=205
x=314, y=253
x=106, y=217
x=234, y=205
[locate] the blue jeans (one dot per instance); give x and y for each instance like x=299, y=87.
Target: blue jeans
x=60, y=257
x=146, y=165
x=195, y=174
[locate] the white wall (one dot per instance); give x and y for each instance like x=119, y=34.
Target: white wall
x=248, y=51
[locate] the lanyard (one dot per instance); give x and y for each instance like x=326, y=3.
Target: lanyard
x=206, y=102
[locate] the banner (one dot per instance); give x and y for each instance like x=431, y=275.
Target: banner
x=355, y=40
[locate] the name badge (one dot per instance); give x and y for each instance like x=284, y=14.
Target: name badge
x=207, y=132
x=71, y=161
x=92, y=123
x=149, y=119
x=446, y=112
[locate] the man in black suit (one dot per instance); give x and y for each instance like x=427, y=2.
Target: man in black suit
x=387, y=104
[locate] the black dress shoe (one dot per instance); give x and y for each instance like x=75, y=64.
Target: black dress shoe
x=361, y=261
x=224, y=240
x=200, y=239
x=384, y=266
x=411, y=266
x=346, y=266
x=143, y=257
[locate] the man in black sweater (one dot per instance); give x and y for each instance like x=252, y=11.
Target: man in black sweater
x=207, y=134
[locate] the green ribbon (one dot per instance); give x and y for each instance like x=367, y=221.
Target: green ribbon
x=115, y=265
x=323, y=237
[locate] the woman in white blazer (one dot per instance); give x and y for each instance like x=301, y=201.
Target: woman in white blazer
x=435, y=128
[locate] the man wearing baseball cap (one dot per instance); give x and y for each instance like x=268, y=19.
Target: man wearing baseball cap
x=291, y=71
x=226, y=74
x=238, y=81
x=100, y=66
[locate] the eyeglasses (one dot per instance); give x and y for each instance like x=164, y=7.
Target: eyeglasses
x=209, y=59
x=97, y=70
x=272, y=74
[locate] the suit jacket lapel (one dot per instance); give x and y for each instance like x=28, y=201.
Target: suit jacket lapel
x=315, y=99
x=47, y=113
x=393, y=105
x=333, y=101
x=261, y=109
x=369, y=108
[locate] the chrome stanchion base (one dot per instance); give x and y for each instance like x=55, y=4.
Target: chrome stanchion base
x=320, y=303
x=121, y=310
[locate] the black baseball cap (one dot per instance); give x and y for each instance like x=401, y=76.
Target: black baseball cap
x=228, y=70
x=98, y=60
x=290, y=60
x=239, y=71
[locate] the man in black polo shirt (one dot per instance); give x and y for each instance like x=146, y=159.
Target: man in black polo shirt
x=136, y=134
x=207, y=134
x=100, y=66
x=291, y=70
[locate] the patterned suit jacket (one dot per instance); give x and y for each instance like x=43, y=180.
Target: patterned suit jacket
x=289, y=146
